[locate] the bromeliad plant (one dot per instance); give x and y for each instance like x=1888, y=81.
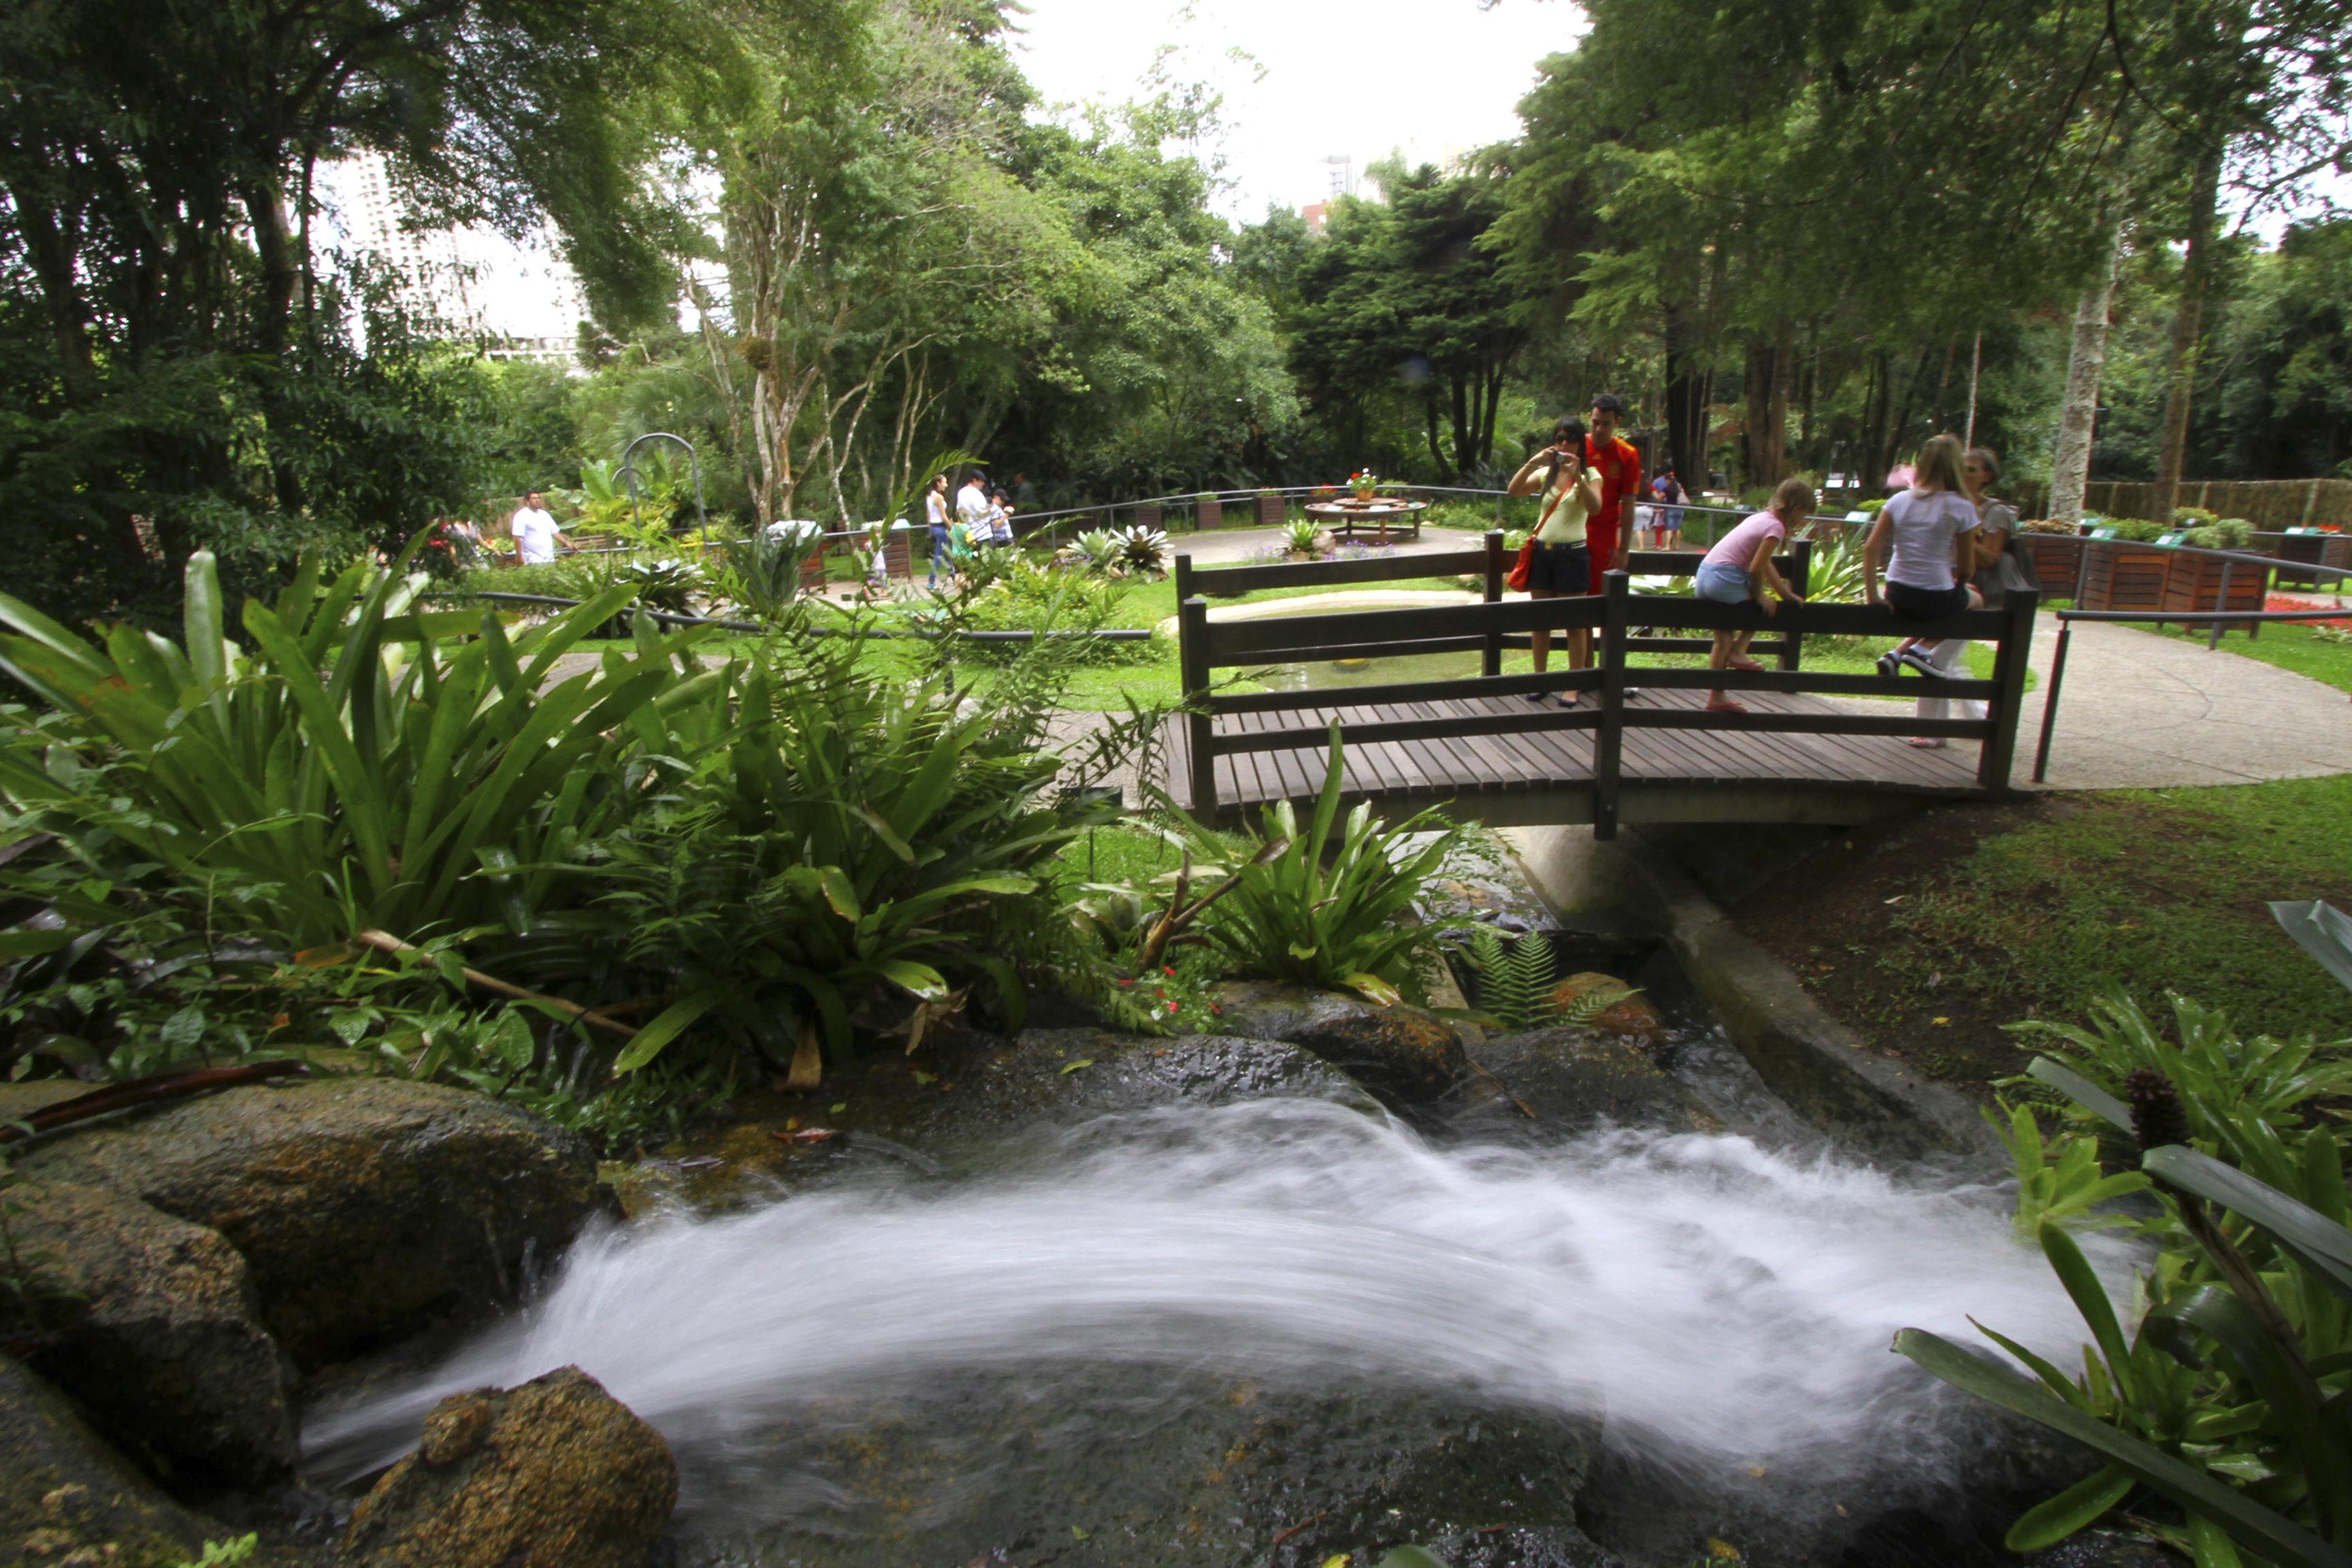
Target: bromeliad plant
x=2232, y=1395
x=1347, y=922
x=354, y=767
x=843, y=849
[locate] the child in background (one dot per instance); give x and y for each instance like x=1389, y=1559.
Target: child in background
x=1741, y=568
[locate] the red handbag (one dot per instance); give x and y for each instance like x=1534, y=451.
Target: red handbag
x=1516, y=579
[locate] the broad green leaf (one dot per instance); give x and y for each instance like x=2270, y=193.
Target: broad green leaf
x=1374, y=987
x=672, y=1022
x=510, y=1040
x=2081, y=1090
x=919, y=978
x=838, y=892
x=2272, y=1533
x=2321, y=931
x=2083, y=1503
x=2317, y=1242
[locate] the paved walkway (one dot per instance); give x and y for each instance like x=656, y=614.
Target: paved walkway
x=2148, y=712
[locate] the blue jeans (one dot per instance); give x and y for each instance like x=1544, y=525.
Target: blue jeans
x=1722, y=583
x=938, y=552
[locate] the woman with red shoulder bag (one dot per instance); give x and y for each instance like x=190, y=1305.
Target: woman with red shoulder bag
x=1555, y=563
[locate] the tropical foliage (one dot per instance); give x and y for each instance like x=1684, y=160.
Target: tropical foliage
x=2228, y=1396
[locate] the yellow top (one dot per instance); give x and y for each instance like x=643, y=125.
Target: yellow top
x=1568, y=506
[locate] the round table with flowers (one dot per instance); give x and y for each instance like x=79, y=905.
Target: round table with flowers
x=1383, y=512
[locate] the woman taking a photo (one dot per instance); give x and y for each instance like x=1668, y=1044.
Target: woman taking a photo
x=1559, y=565
x=1741, y=568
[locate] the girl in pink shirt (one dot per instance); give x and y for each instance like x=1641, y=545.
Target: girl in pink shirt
x=1739, y=568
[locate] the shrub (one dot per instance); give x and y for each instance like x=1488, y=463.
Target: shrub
x=2226, y=1398
x=318, y=784
x=2222, y=533
x=1291, y=916
x=2136, y=530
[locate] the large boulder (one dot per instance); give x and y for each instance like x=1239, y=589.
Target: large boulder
x=1404, y=1056
x=66, y=1498
x=1543, y=1085
x=556, y=1474
x=152, y=1323
x=361, y=1204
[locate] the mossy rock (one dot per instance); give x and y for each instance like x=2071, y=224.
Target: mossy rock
x=153, y=1324
x=66, y=1496
x=1404, y=1056
x=360, y=1205
x=1547, y=1084
x=556, y=1474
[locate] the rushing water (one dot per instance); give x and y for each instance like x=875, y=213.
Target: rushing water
x=1708, y=1298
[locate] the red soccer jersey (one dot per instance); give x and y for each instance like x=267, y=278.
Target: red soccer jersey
x=1619, y=466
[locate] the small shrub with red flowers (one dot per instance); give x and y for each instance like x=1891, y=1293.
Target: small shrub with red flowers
x=1178, y=997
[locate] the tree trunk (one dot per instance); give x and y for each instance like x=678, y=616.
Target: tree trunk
x=2188, y=329
x=1776, y=433
x=1686, y=404
x=2070, y=467
x=1757, y=379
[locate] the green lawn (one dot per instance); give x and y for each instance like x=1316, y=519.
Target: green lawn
x=1929, y=935
x=2307, y=650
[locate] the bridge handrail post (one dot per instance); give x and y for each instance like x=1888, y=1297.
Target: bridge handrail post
x=1492, y=659
x=1193, y=662
x=1792, y=641
x=2013, y=656
x=1608, y=741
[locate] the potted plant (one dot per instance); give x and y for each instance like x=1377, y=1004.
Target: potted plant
x=2124, y=568
x=1304, y=534
x=1270, y=508
x=1212, y=511
x=1363, y=481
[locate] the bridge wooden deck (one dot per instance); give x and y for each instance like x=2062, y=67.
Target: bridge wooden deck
x=1523, y=775
x=1476, y=747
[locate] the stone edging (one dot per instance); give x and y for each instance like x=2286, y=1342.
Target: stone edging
x=1816, y=1064
x=1820, y=1067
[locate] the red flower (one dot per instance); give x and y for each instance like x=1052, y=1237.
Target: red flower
x=1168, y=971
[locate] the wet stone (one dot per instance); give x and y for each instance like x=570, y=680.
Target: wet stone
x=1539, y=1087
x=152, y=1323
x=64, y=1491
x=360, y=1205
x=1135, y=1466
x=1404, y=1055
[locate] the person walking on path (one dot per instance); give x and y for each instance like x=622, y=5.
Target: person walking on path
x=535, y=534
x=935, y=512
x=1667, y=528
x=1996, y=572
x=1560, y=566
x=1921, y=538
x=1741, y=568
x=971, y=505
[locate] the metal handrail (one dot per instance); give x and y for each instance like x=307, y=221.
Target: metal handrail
x=2216, y=618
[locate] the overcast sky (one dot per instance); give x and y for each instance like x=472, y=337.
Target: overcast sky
x=1321, y=79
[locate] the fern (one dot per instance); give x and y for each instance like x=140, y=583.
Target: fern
x=1513, y=983
x=1516, y=984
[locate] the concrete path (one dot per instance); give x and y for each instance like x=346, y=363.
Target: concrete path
x=2140, y=710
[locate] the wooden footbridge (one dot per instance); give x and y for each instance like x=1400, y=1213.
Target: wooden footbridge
x=1477, y=749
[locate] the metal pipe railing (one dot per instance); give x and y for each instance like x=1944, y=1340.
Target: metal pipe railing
x=672, y=618
x=2066, y=633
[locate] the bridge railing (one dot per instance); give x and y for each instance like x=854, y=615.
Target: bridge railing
x=1486, y=628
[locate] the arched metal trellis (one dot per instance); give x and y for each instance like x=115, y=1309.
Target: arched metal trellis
x=629, y=474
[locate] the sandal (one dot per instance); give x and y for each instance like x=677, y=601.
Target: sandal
x=1929, y=742
x=1724, y=705
x=1741, y=661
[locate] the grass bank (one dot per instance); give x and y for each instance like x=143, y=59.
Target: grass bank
x=1927, y=936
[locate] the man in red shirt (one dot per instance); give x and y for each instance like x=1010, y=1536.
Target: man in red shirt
x=1613, y=459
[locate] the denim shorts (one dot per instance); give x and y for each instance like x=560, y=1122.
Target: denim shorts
x=1722, y=583
x=1562, y=569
